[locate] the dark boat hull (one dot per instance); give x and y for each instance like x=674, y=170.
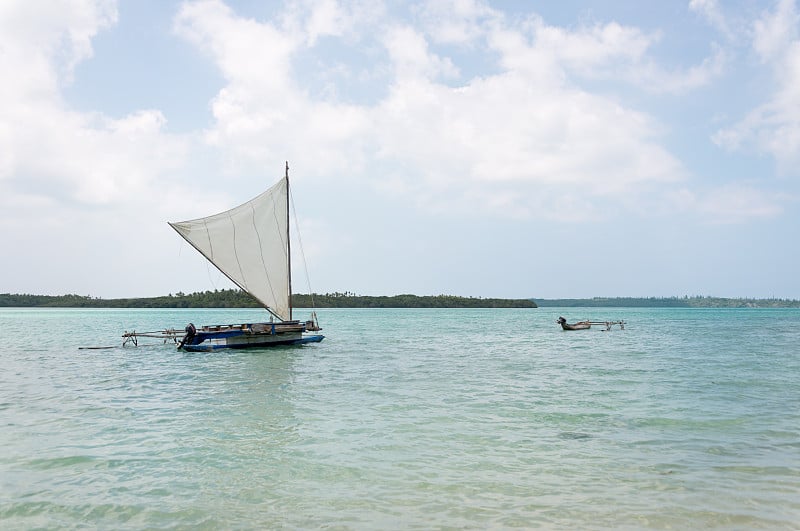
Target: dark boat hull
x=253, y=335
x=253, y=343
x=576, y=326
x=580, y=325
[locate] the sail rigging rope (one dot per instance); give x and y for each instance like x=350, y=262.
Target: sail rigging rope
x=211, y=253
x=236, y=255
x=261, y=251
x=302, y=252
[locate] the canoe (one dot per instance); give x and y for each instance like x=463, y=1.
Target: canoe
x=581, y=325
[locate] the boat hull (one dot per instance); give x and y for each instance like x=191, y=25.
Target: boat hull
x=580, y=325
x=252, y=342
x=251, y=335
x=576, y=326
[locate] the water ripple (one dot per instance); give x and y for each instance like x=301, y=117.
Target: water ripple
x=687, y=419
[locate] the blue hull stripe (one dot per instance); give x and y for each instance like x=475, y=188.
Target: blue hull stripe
x=205, y=348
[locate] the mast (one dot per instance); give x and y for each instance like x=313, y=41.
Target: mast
x=288, y=241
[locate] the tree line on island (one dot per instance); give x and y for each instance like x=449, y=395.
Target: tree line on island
x=694, y=301
x=233, y=298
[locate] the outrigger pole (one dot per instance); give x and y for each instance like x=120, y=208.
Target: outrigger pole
x=169, y=334
x=607, y=324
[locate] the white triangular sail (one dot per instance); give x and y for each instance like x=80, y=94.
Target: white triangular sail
x=250, y=245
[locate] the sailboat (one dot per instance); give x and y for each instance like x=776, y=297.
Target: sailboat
x=250, y=245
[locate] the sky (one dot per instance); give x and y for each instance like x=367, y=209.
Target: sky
x=476, y=148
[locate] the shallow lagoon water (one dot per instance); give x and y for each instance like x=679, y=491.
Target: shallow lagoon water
x=404, y=419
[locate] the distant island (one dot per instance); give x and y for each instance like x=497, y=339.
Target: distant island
x=351, y=300
x=233, y=298
x=667, y=302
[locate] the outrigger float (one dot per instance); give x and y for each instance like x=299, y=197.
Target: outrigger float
x=585, y=325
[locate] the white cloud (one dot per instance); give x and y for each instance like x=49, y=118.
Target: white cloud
x=494, y=143
x=88, y=159
x=712, y=12
x=774, y=126
x=774, y=31
x=457, y=21
x=602, y=51
x=507, y=135
x=732, y=203
x=262, y=113
x=327, y=18
x=510, y=143
x=338, y=19
x=50, y=150
x=249, y=53
x=660, y=80
x=590, y=48
x=412, y=59
x=40, y=47
x=73, y=184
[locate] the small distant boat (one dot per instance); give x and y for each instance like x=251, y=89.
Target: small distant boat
x=585, y=325
x=581, y=325
x=250, y=245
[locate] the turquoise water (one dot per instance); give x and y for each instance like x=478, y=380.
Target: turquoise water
x=405, y=419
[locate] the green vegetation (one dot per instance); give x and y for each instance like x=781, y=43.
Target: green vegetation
x=351, y=300
x=668, y=302
x=209, y=299
x=232, y=298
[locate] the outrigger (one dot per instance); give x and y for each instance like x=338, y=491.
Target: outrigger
x=166, y=336
x=585, y=325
